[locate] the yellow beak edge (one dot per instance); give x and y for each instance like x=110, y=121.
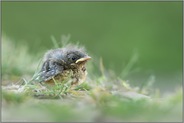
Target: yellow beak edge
x=83, y=59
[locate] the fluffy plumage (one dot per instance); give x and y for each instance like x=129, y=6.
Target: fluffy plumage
x=62, y=63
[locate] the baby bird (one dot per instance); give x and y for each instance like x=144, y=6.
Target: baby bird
x=63, y=63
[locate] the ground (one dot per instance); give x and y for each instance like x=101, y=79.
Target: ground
x=102, y=97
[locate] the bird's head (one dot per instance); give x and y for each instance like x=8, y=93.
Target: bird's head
x=75, y=57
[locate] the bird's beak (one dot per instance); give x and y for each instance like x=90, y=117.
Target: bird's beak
x=83, y=59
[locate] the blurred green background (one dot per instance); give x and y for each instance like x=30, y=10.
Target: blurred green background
x=114, y=31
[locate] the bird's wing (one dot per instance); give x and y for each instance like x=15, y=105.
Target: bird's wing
x=50, y=68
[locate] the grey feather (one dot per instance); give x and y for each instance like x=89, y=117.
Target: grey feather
x=57, y=60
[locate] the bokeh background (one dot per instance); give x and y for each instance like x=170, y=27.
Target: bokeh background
x=148, y=32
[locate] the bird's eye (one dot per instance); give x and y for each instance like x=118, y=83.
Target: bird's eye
x=73, y=58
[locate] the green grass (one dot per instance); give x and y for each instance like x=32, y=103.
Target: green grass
x=16, y=61
x=103, y=97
